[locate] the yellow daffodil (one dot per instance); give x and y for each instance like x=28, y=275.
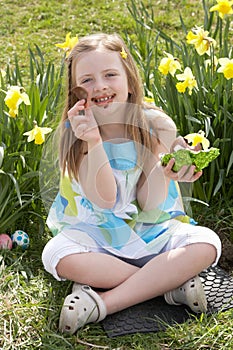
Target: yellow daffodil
x=200, y=39
x=169, y=64
x=189, y=81
x=14, y=97
x=123, y=53
x=224, y=7
x=226, y=67
x=181, y=87
x=197, y=138
x=68, y=45
x=37, y=134
x=210, y=62
x=149, y=99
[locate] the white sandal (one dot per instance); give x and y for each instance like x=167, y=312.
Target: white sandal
x=83, y=306
x=191, y=293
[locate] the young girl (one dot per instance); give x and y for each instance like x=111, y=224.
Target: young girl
x=120, y=231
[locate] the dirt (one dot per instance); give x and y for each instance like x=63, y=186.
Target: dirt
x=226, y=260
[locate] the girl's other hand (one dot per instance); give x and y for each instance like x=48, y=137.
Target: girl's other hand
x=83, y=123
x=185, y=174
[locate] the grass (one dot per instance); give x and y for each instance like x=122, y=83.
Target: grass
x=30, y=308
x=30, y=299
x=46, y=22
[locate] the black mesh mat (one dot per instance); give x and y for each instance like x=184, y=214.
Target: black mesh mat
x=155, y=314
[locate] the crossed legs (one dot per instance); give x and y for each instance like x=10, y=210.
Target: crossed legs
x=128, y=285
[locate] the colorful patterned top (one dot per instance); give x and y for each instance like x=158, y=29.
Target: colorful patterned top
x=124, y=230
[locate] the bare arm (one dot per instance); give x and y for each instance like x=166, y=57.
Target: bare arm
x=153, y=184
x=95, y=173
x=96, y=177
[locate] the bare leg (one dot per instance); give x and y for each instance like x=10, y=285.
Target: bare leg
x=131, y=285
x=95, y=269
x=163, y=273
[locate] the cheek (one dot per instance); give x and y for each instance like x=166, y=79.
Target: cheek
x=127, y=87
x=123, y=86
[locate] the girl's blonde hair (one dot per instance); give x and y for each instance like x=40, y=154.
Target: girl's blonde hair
x=137, y=127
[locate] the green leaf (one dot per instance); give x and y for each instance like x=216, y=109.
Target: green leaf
x=220, y=181
x=230, y=163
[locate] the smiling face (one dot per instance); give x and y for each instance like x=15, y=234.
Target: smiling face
x=102, y=74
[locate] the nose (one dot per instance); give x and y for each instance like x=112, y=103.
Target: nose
x=100, y=84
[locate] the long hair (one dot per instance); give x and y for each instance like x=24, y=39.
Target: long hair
x=137, y=127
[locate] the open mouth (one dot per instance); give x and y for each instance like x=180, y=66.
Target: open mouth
x=103, y=100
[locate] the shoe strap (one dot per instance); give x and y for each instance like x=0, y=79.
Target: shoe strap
x=98, y=301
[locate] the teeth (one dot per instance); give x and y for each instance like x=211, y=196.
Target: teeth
x=102, y=99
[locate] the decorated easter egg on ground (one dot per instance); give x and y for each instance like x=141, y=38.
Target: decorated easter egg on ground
x=20, y=238
x=5, y=241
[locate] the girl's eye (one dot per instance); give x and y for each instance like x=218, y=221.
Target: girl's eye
x=111, y=74
x=86, y=80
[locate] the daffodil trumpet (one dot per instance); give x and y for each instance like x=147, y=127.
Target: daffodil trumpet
x=37, y=134
x=68, y=44
x=14, y=97
x=223, y=7
x=198, y=138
